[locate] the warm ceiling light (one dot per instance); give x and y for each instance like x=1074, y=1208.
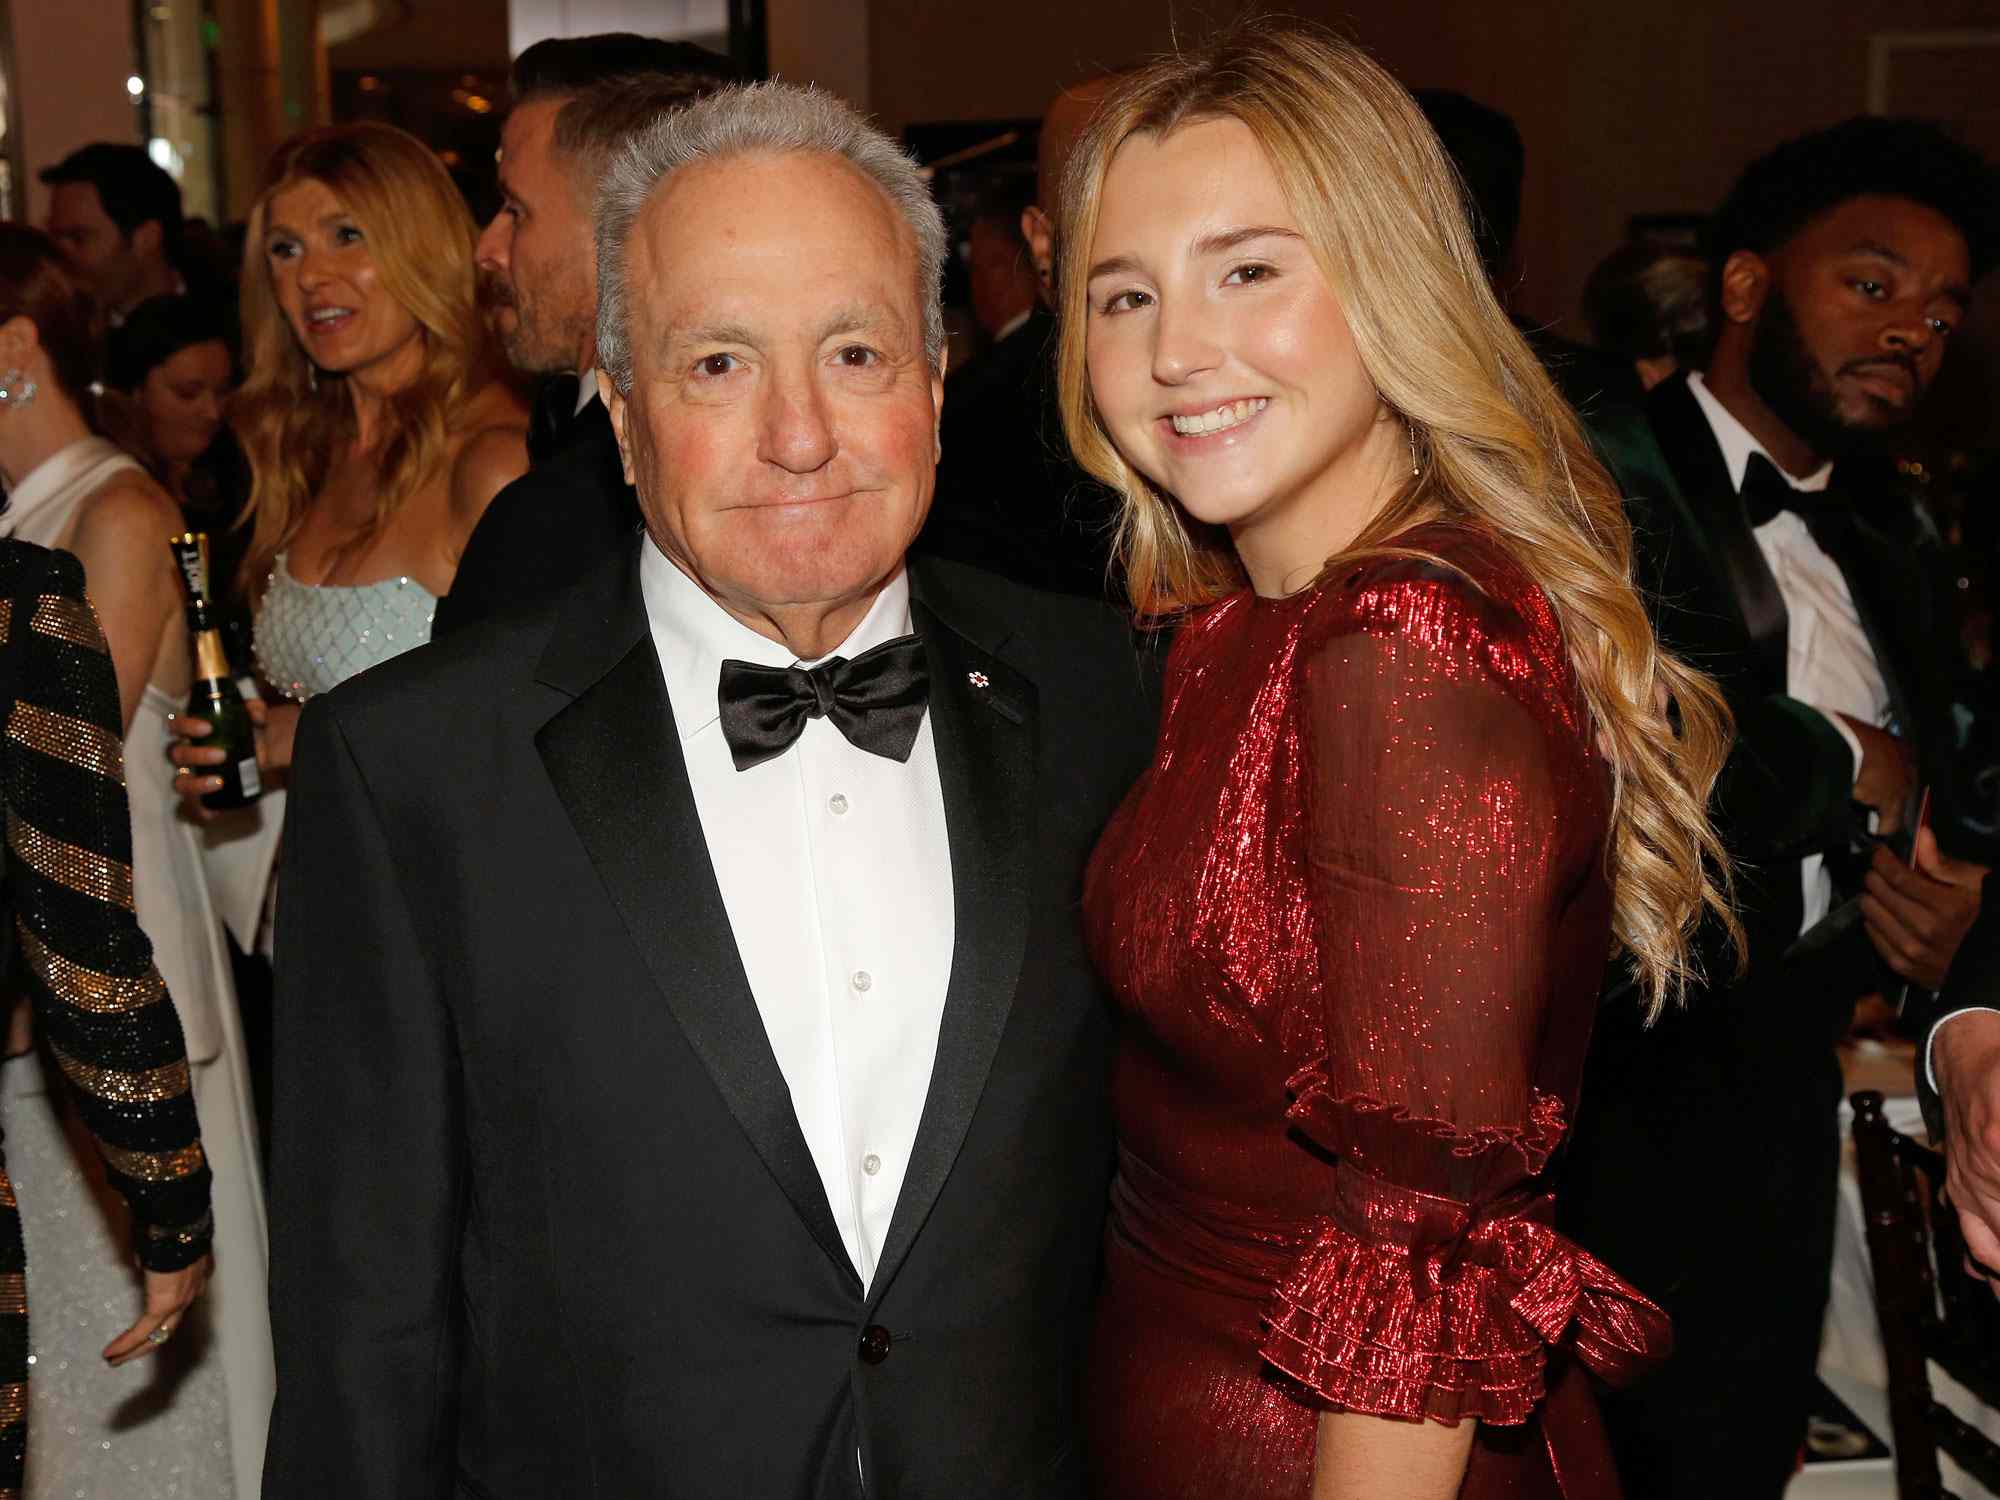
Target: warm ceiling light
x=135, y=85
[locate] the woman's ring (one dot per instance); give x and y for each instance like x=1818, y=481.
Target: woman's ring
x=161, y=1334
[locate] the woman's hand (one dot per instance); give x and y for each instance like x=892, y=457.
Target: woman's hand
x=275, y=724
x=169, y=1294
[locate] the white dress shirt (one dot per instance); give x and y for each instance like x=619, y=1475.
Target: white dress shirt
x=836, y=874
x=1829, y=663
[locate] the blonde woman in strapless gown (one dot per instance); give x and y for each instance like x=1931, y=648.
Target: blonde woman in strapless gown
x=193, y=1422
x=377, y=429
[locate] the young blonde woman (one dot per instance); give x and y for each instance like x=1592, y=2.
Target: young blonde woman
x=373, y=412
x=1415, y=782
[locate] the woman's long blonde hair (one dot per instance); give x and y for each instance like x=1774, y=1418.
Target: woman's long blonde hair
x=1496, y=445
x=292, y=418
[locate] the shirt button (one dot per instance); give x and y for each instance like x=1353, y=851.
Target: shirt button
x=836, y=804
x=863, y=981
x=871, y=1163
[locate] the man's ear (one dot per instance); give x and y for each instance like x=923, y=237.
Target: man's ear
x=937, y=402
x=146, y=239
x=1040, y=233
x=615, y=404
x=1746, y=282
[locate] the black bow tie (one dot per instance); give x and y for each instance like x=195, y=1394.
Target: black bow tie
x=551, y=416
x=1766, y=493
x=876, y=701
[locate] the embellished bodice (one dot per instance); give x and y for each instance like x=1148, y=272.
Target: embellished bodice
x=313, y=637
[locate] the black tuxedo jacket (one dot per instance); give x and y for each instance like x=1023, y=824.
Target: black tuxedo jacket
x=1009, y=498
x=544, y=1221
x=545, y=530
x=1787, y=790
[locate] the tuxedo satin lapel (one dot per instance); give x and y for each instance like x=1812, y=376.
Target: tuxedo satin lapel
x=615, y=761
x=983, y=721
x=1690, y=447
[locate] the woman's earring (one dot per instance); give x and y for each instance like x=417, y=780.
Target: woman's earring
x=312, y=376
x=1416, y=470
x=17, y=389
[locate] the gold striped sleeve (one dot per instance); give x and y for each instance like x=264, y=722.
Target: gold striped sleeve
x=7, y=1191
x=119, y=1086
x=86, y=989
x=69, y=620
x=155, y=1166
x=184, y=1234
x=75, y=741
x=69, y=864
x=6, y=621
x=13, y=1294
x=13, y=1402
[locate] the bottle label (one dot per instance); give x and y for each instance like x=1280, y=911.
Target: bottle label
x=246, y=772
x=211, y=662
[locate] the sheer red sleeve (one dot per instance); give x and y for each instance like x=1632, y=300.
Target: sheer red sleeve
x=1457, y=816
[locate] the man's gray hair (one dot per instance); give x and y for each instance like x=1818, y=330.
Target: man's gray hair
x=755, y=119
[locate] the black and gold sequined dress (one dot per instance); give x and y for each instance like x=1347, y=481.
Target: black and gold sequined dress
x=77, y=950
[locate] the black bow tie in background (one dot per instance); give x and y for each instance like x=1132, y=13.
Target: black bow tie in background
x=876, y=701
x=552, y=416
x=1766, y=492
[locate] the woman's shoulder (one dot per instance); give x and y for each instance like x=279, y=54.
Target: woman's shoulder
x=489, y=448
x=1442, y=582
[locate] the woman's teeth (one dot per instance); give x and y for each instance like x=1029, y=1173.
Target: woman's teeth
x=1230, y=414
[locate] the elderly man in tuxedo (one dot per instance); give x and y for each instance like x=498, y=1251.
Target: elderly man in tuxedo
x=691, y=1078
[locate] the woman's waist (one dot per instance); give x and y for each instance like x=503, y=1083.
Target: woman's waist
x=1205, y=1239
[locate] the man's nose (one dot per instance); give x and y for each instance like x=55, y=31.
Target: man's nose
x=491, y=251
x=798, y=431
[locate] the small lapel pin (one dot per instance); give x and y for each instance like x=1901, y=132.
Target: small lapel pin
x=978, y=679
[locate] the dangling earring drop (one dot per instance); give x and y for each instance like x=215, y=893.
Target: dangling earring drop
x=1416, y=469
x=312, y=376
x=17, y=389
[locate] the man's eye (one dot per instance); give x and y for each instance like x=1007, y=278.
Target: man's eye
x=716, y=364
x=1873, y=289
x=1940, y=326
x=857, y=356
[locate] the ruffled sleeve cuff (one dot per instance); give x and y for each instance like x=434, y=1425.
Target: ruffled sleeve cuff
x=1410, y=1305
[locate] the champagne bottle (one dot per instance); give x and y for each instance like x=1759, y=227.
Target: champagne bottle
x=215, y=696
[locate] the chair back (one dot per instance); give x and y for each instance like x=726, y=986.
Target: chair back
x=1930, y=1310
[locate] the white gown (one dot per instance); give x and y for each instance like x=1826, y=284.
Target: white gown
x=191, y=1421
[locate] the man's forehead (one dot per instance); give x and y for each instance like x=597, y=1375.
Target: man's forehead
x=1895, y=228
x=76, y=201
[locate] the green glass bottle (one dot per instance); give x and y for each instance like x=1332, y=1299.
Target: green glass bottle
x=215, y=696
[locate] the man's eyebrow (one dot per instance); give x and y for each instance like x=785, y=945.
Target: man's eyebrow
x=711, y=333
x=1957, y=292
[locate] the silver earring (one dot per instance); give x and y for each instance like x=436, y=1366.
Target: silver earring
x=17, y=389
x=1415, y=469
x=312, y=376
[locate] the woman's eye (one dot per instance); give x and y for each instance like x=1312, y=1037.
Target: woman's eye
x=1248, y=275
x=1129, y=301
x=715, y=364
x=1870, y=288
x=281, y=249
x=347, y=234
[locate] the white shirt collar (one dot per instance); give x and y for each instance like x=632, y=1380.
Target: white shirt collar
x=1014, y=324
x=1737, y=444
x=694, y=636
x=586, y=390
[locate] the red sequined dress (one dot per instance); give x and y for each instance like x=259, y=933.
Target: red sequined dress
x=1356, y=916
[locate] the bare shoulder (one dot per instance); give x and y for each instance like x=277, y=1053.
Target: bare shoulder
x=130, y=504
x=490, y=450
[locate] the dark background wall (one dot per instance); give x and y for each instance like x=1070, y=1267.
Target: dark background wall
x=1625, y=108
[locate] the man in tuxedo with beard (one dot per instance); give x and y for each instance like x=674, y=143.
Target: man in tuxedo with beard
x=691, y=1077
x=575, y=100
x=1705, y=1159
